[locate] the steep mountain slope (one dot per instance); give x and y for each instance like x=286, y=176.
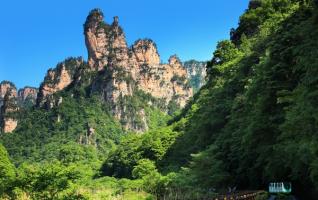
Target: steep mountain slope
x=6, y=86
x=10, y=101
x=92, y=104
x=196, y=71
x=127, y=70
x=254, y=122
x=26, y=96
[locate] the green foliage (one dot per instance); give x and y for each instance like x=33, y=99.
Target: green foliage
x=141, y=106
x=225, y=52
x=47, y=181
x=45, y=135
x=7, y=171
x=133, y=148
x=208, y=164
x=173, y=106
x=255, y=120
x=143, y=168
x=111, y=188
x=122, y=160
x=260, y=12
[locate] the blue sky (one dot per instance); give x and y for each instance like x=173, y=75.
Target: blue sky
x=35, y=34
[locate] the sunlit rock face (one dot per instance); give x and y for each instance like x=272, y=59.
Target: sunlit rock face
x=104, y=41
x=145, y=52
x=114, y=71
x=27, y=96
x=165, y=81
x=5, y=86
x=10, y=103
x=8, y=107
x=8, y=118
x=58, y=79
x=127, y=69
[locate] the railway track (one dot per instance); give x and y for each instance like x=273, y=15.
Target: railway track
x=244, y=195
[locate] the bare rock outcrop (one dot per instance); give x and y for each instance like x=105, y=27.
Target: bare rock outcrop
x=27, y=95
x=114, y=71
x=8, y=118
x=96, y=39
x=145, y=51
x=124, y=70
x=10, y=103
x=58, y=79
x=166, y=81
x=6, y=86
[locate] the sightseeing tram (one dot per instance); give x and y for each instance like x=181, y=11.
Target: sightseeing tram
x=280, y=187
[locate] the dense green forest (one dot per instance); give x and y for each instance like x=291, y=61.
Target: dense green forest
x=254, y=122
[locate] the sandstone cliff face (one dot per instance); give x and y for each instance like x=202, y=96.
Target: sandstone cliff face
x=11, y=101
x=103, y=41
x=58, y=79
x=196, y=73
x=27, y=95
x=124, y=70
x=145, y=52
x=8, y=118
x=166, y=81
x=6, y=86
x=115, y=72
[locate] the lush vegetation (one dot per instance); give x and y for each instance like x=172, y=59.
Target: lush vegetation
x=254, y=122
x=43, y=135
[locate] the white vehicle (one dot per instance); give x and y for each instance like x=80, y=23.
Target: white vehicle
x=281, y=187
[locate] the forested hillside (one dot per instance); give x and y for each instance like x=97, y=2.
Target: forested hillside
x=257, y=114
x=254, y=122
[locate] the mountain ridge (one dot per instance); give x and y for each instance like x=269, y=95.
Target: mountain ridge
x=128, y=69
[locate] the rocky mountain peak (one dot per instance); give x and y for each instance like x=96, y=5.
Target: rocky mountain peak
x=27, y=92
x=104, y=41
x=146, y=52
x=11, y=101
x=116, y=21
x=116, y=73
x=174, y=60
x=5, y=86
x=8, y=121
x=58, y=78
x=27, y=96
x=96, y=39
x=10, y=94
x=130, y=69
x=94, y=18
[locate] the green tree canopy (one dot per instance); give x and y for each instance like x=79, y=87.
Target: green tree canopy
x=7, y=170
